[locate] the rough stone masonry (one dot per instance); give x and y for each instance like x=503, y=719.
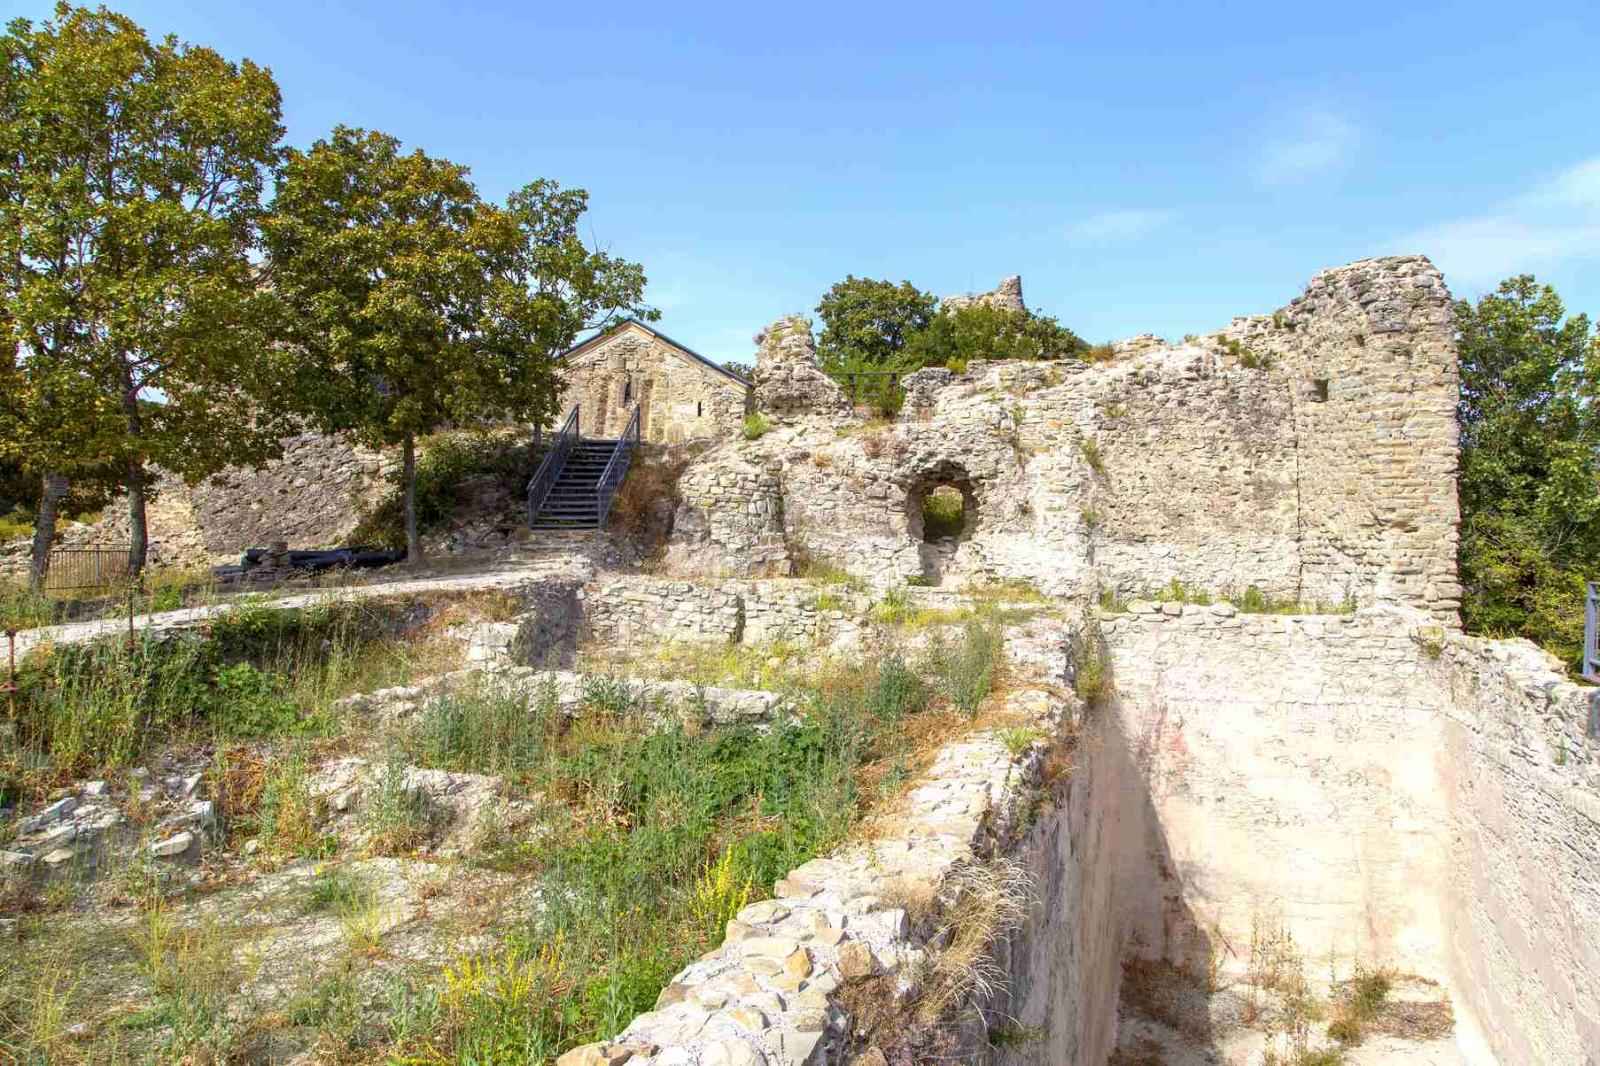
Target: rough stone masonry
x=1310, y=453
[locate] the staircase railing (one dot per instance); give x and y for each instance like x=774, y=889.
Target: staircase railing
x=616, y=470
x=544, y=479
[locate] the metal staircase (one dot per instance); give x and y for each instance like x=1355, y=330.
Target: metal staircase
x=579, y=478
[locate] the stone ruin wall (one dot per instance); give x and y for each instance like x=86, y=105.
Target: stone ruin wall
x=1392, y=792
x=313, y=496
x=1367, y=356
x=682, y=399
x=1188, y=462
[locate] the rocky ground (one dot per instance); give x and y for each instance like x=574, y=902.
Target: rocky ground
x=333, y=897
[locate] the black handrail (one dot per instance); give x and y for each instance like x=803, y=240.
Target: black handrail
x=544, y=479
x=617, y=469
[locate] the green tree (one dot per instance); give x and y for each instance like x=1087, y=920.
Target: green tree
x=1530, y=499
x=129, y=197
x=866, y=324
x=954, y=338
x=417, y=305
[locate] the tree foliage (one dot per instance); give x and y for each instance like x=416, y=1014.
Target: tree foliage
x=955, y=338
x=1530, y=499
x=878, y=325
x=866, y=324
x=130, y=192
x=416, y=305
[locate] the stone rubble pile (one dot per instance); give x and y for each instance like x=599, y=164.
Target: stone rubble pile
x=788, y=382
x=77, y=826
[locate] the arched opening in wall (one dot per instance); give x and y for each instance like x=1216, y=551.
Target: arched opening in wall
x=944, y=513
x=941, y=513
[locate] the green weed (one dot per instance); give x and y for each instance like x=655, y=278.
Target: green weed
x=756, y=426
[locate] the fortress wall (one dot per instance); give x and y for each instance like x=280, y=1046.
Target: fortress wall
x=1368, y=358
x=1310, y=453
x=1521, y=903
x=1279, y=769
x=1196, y=478
x=627, y=610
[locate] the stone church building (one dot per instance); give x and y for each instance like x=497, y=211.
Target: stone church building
x=681, y=395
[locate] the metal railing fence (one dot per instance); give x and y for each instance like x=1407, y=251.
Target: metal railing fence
x=544, y=479
x=88, y=568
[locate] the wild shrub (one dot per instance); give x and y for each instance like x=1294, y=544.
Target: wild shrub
x=195, y=976
x=396, y=818
x=1090, y=448
x=286, y=823
x=895, y=690
x=756, y=425
x=1359, y=1001
x=334, y=887
x=1112, y=602
x=990, y=900
x=484, y=729
x=449, y=466
x=966, y=670
x=1091, y=665
x=658, y=839
x=251, y=703
x=719, y=893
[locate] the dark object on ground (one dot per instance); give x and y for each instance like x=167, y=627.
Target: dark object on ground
x=275, y=563
x=317, y=561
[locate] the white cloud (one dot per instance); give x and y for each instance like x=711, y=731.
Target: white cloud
x=1321, y=143
x=1556, y=221
x=1122, y=225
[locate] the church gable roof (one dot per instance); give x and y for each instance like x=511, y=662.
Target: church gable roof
x=600, y=338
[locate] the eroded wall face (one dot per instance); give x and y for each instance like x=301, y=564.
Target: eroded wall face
x=1279, y=772
x=680, y=399
x=1368, y=360
x=1521, y=901
x=1385, y=790
x=1310, y=454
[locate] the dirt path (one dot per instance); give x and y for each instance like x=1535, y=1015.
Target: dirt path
x=499, y=574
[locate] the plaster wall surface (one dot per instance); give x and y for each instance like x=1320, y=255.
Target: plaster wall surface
x=1385, y=789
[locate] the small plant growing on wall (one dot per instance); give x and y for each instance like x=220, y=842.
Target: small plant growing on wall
x=756, y=426
x=1091, y=667
x=1248, y=357
x=1091, y=455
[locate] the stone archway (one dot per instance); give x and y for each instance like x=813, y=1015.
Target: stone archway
x=941, y=514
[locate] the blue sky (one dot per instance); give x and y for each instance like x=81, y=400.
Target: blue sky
x=1145, y=167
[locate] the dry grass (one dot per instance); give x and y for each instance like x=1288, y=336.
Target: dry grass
x=990, y=900
x=1162, y=992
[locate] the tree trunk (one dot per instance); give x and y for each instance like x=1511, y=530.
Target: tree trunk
x=408, y=476
x=44, y=528
x=138, y=528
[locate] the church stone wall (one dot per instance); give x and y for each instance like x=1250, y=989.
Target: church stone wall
x=681, y=398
